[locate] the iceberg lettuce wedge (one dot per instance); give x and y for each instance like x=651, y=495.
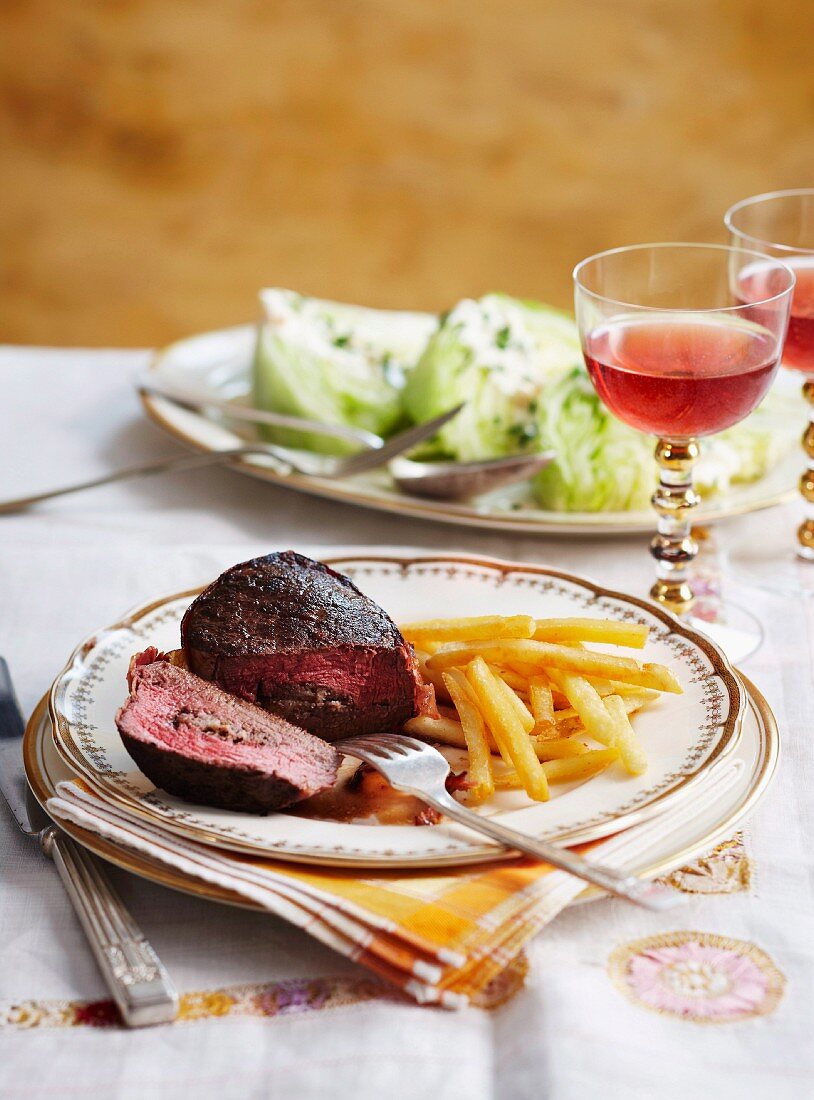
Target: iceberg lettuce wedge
x=333, y=363
x=602, y=465
x=496, y=354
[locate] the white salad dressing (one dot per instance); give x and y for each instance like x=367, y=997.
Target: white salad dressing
x=306, y=324
x=497, y=335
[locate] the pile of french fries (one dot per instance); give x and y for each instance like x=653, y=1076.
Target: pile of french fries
x=518, y=693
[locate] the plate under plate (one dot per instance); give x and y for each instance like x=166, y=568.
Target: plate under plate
x=682, y=734
x=755, y=758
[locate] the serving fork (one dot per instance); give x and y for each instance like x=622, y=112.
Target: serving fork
x=418, y=769
x=302, y=462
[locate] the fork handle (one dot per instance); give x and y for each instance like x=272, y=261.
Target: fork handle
x=649, y=895
x=139, y=984
x=165, y=466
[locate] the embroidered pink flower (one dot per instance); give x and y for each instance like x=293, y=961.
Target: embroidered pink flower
x=698, y=976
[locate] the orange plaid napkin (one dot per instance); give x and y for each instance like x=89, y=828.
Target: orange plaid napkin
x=442, y=936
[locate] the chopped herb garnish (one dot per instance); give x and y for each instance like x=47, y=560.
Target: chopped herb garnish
x=342, y=341
x=503, y=336
x=524, y=433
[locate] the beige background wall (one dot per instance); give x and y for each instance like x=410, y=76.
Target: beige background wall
x=161, y=160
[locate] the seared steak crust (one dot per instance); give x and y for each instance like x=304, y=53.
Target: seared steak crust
x=304, y=642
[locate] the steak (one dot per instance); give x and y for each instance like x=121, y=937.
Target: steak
x=302, y=641
x=197, y=742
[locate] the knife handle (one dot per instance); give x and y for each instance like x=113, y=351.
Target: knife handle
x=138, y=982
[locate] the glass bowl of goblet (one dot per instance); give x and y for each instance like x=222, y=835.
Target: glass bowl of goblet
x=780, y=224
x=674, y=352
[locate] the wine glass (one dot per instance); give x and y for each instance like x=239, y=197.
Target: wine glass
x=781, y=225
x=673, y=351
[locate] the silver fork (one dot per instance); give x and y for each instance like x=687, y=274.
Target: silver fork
x=300, y=461
x=418, y=769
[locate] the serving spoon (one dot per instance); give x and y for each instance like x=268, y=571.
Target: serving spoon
x=462, y=480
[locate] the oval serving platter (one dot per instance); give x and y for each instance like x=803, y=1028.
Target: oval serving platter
x=682, y=734
x=218, y=364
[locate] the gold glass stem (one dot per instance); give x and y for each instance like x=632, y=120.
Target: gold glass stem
x=805, y=532
x=673, y=547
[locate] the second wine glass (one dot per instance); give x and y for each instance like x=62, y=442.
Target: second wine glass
x=781, y=225
x=674, y=352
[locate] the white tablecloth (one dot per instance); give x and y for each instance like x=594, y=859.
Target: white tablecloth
x=570, y=1032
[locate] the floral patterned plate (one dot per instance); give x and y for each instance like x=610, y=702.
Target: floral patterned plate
x=683, y=734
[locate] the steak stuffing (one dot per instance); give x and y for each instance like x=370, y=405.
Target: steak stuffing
x=302, y=641
x=203, y=745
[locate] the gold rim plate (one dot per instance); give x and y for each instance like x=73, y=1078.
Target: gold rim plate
x=39, y=741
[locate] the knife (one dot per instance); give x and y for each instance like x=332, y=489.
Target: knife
x=135, y=976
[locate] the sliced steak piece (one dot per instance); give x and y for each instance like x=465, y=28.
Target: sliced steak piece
x=199, y=743
x=304, y=642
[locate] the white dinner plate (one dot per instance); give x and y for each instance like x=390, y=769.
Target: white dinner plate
x=219, y=364
x=682, y=734
x=708, y=822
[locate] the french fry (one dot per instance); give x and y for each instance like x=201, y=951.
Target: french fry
x=530, y=672
x=630, y=749
x=602, y=685
x=449, y=731
x=568, y=722
x=508, y=781
x=446, y=731
x=566, y=718
x=608, y=687
x=431, y=677
x=564, y=771
x=555, y=750
x=549, y=656
x=579, y=767
x=469, y=629
x=512, y=740
x=632, y=635
x=523, y=713
x=646, y=695
x=447, y=710
x=515, y=681
x=569, y=725
x=542, y=703
x=607, y=724
x=518, y=673
x=474, y=730
x=522, y=688
x=586, y=701
x=634, y=699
